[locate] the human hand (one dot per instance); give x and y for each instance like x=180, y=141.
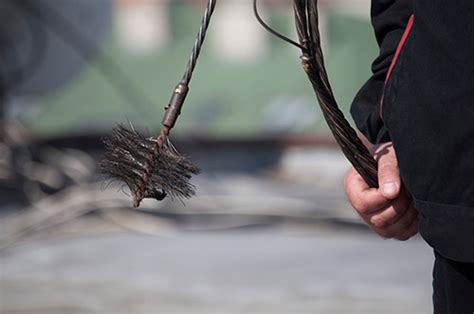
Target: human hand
x=388, y=210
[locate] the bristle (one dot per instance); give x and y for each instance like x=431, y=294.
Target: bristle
x=149, y=171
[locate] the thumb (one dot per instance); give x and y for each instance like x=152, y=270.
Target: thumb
x=388, y=173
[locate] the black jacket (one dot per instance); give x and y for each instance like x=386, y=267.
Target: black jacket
x=421, y=97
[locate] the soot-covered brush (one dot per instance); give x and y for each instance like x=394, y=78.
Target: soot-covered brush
x=306, y=13
x=152, y=167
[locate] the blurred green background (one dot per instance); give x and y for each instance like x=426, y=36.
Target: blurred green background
x=228, y=98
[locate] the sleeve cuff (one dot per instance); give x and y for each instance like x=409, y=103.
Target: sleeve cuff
x=366, y=112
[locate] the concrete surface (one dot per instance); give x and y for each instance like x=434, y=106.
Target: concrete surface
x=285, y=269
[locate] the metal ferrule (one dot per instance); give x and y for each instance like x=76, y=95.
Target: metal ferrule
x=173, y=110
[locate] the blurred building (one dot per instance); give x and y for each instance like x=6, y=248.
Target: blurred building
x=245, y=83
x=143, y=26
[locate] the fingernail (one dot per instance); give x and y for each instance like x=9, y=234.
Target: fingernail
x=389, y=188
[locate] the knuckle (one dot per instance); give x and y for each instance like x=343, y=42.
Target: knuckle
x=388, y=166
x=378, y=221
x=360, y=206
x=357, y=207
x=388, y=173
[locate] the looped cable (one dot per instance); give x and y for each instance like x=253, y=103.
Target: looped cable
x=271, y=30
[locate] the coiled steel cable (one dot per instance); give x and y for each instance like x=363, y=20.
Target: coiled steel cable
x=307, y=26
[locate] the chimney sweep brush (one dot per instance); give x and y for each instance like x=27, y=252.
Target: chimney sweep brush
x=152, y=167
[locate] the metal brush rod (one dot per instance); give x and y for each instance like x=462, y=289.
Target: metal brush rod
x=173, y=110
x=201, y=36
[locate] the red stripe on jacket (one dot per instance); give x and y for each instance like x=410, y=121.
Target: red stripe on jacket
x=397, y=54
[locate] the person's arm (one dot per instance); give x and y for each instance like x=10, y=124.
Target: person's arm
x=388, y=210
x=389, y=20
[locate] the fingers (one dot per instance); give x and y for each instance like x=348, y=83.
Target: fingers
x=392, y=213
x=389, y=211
x=365, y=200
x=390, y=219
x=401, y=228
x=412, y=230
x=388, y=173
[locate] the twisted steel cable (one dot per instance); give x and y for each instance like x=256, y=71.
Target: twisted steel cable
x=173, y=109
x=201, y=36
x=307, y=25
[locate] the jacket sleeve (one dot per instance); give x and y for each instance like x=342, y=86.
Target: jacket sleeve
x=389, y=19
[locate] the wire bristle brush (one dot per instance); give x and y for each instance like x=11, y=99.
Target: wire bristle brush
x=152, y=167
x=306, y=13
